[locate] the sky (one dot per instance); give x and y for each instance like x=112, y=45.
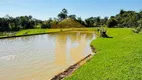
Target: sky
x=44, y=9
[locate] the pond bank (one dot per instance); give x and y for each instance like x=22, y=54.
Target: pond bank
x=31, y=32
x=72, y=68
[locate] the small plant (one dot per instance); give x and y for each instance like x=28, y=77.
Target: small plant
x=103, y=31
x=139, y=28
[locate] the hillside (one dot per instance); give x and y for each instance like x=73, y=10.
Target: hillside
x=70, y=23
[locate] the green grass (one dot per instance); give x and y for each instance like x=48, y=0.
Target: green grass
x=29, y=32
x=41, y=31
x=119, y=58
x=32, y=31
x=36, y=31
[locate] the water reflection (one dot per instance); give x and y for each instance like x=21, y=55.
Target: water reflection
x=77, y=51
x=43, y=56
x=60, y=50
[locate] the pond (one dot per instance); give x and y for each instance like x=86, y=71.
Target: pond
x=41, y=57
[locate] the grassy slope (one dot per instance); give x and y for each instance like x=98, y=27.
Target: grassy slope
x=119, y=58
x=70, y=23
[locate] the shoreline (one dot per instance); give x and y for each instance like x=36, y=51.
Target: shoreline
x=67, y=72
x=30, y=34
x=56, y=31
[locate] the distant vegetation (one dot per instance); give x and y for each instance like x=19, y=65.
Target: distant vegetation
x=129, y=19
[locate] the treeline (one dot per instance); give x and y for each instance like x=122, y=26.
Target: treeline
x=9, y=23
x=130, y=19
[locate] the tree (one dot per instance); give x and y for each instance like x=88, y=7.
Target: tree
x=112, y=23
x=104, y=20
x=90, y=22
x=122, y=11
x=140, y=23
x=79, y=19
x=72, y=16
x=138, y=28
x=45, y=25
x=4, y=26
x=98, y=20
x=63, y=14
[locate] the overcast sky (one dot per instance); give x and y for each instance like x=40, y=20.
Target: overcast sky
x=43, y=9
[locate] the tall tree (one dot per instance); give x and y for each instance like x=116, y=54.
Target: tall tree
x=122, y=11
x=90, y=22
x=63, y=14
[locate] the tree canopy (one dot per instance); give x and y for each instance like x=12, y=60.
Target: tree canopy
x=129, y=19
x=63, y=14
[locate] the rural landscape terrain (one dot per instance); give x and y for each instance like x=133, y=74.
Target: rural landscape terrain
x=56, y=48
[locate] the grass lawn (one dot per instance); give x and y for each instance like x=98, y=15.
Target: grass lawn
x=117, y=58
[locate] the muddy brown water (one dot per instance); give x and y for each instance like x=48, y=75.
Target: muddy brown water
x=41, y=57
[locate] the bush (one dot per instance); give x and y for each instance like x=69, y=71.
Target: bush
x=45, y=26
x=112, y=23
